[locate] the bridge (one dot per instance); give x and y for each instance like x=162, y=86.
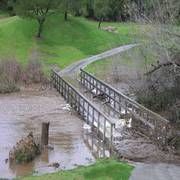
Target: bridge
x=106, y=109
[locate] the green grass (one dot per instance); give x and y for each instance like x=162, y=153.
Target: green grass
x=141, y=57
x=136, y=58
x=63, y=42
x=102, y=170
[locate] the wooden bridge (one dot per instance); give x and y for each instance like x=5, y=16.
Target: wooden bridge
x=149, y=123
x=143, y=119
x=95, y=118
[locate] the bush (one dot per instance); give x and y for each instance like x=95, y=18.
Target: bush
x=9, y=75
x=7, y=86
x=33, y=71
x=12, y=74
x=159, y=101
x=25, y=151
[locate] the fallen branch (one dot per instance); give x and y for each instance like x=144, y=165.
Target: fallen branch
x=162, y=65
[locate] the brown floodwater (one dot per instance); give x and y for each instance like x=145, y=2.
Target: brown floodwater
x=21, y=113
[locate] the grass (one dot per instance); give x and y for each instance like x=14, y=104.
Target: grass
x=141, y=57
x=132, y=59
x=63, y=42
x=102, y=170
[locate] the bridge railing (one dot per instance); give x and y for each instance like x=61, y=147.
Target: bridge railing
x=96, y=119
x=155, y=126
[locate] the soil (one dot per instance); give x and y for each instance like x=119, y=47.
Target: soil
x=23, y=112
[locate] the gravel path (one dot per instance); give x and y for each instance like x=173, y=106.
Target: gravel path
x=155, y=172
x=75, y=67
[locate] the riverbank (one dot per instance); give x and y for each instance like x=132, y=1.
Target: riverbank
x=102, y=169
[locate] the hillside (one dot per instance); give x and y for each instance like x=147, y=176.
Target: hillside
x=62, y=42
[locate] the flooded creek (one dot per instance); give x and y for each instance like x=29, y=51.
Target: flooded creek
x=21, y=113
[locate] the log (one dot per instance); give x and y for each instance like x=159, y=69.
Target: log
x=45, y=134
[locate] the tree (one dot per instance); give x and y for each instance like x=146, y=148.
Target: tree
x=90, y=8
x=10, y=7
x=108, y=9
x=101, y=10
x=36, y=9
x=66, y=5
x=163, y=11
x=3, y=4
x=77, y=7
x=7, y=5
x=118, y=9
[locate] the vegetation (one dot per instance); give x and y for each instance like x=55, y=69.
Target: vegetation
x=64, y=39
x=25, y=151
x=131, y=59
x=36, y=9
x=103, y=169
x=63, y=42
x=13, y=74
x=158, y=65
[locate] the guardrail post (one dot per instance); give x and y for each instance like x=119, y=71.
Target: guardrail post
x=88, y=115
x=98, y=124
x=104, y=133
x=111, y=135
x=93, y=118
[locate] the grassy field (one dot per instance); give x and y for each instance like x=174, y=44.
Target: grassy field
x=102, y=170
x=62, y=42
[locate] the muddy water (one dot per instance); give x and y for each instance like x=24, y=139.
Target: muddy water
x=24, y=112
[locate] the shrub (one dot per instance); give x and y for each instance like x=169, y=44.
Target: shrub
x=9, y=76
x=25, y=150
x=158, y=101
x=34, y=72
x=12, y=74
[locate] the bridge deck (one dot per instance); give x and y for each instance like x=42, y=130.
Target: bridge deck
x=120, y=122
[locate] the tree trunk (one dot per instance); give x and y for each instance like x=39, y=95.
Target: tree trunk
x=40, y=29
x=100, y=22
x=65, y=15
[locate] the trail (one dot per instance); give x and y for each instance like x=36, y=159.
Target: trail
x=75, y=67
x=155, y=172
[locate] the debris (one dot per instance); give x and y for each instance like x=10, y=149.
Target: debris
x=25, y=150
x=6, y=160
x=110, y=29
x=67, y=107
x=87, y=127
x=55, y=165
x=50, y=147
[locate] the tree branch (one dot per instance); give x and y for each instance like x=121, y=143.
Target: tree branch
x=162, y=65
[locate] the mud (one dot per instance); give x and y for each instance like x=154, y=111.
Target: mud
x=72, y=145
x=23, y=112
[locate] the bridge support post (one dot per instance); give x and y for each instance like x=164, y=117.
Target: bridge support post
x=45, y=134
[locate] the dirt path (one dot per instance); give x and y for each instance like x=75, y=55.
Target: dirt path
x=75, y=67
x=155, y=172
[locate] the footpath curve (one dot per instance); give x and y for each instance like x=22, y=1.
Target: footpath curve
x=75, y=67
